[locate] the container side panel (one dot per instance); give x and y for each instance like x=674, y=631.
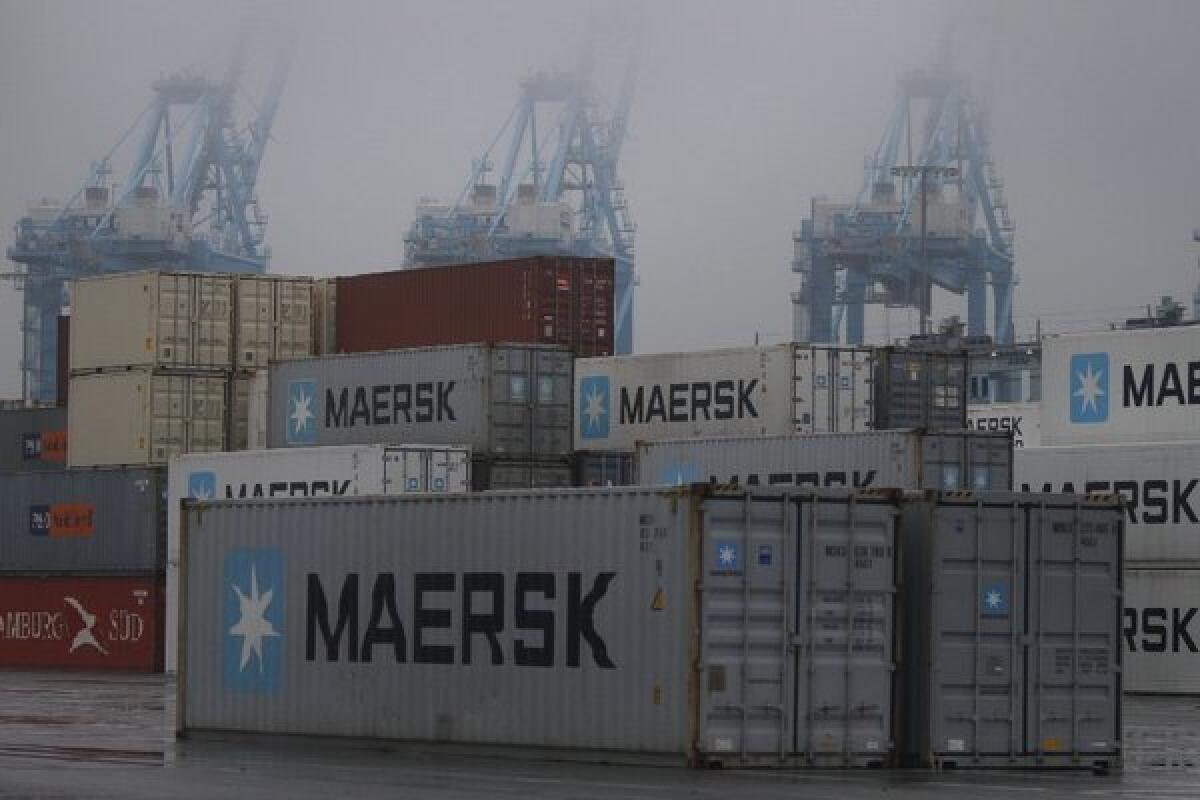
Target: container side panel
x=1161, y=630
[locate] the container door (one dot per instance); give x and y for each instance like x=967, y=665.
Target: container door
x=449, y=471
x=1075, y=600
x=552, y=385
x=511, y=412
x=212, y=314
x=845, y=611
x=746, y=615
x=852, y=406
x=293, y=319
x=976, y=658
x=253, y=322
x=174, y=323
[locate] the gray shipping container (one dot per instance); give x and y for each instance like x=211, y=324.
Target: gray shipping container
x=1012, y=621
x=918, y=388
x=892, y=459
x=732, y=628
x=489, y=474
x=109, y=521
x=506, y=401
x=605, y=468
x=33, y=439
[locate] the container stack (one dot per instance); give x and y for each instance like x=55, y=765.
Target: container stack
x=509, y=403
x=1121, y=413
x=162, y=362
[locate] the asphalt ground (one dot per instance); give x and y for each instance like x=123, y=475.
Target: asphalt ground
x=72, y=735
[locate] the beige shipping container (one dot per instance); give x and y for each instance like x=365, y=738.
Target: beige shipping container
x=140, y=417
x=154, y=319
x=274, y=320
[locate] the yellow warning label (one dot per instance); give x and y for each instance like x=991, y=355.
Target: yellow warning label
x=1050, y=744
x=659, y=602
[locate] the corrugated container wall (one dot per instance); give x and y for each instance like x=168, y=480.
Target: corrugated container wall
x=152, y=319
x=892, y=459
x=562, y=300
x=505, y=401
x=1158, y=481
x=601, y=468
x=494, y=621
x=33, y=439
x=1121, y=386
x=300, y=473
x=1013, y=630
x=81, y=623
x=491, y=474
x=917, y=388
x=82, y=521
x=1162, y=631
x=139, y=417
x=62, y=360
x=1023, y=420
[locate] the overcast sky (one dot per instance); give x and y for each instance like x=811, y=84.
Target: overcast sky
x=743, y=112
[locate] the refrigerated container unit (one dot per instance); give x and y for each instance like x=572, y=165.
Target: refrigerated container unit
x=33, y=438
x=1121, y=386
x=628, y=621
x=299, y=473
x=1158, y=482
x=605, y=468
x=154, y=319
x=144, y=417
x=745, y=391
x=1162, y=631
x=1012, y=630
x=505, y=401
x=81, y=622
x=564, y=300
x=892, y=459
x=920, y=388
x=1022, y=420
x=96, y=522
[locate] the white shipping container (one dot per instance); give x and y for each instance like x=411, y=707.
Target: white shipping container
x=748, y=391
x=1121, y=386
x=142, y=417
x=1023, y=420
x=302, y=473
x=274, y=320
x=1162, y=631
x=1160, y=482
x=151, y=319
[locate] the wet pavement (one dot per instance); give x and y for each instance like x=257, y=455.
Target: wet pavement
x=69, y=735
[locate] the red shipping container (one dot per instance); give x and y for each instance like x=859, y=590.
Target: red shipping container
x=538, y=300
x=81, y=623
x=62, y=360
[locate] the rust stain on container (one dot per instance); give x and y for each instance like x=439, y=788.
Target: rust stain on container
x=85, y=623
x=538, y=300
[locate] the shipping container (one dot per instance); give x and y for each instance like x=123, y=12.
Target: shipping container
x=1012, y=620
x=1023, y=420
x=301, y=473
x=564, y=300
x=274, y=320
x=82, y=521
x=140, y=417
x=1162, y=631
x=33, y=439
x=153, y=319
x=621, y=620
x=490, y=474
x=746, y=391
x=508, y=401
x=601, y=468
x=249, y=411
x=94, y=623
x=1158, y=481
x=1121, y=386
x=891, y=459
x=62, y=360
x=920, y=388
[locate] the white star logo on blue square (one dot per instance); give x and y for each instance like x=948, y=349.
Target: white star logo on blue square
x=1088, y=384
x=994, y=601
x=202, y=485
x=594, y=407
x=253, y=620
x=727, y=556
x=302, y=412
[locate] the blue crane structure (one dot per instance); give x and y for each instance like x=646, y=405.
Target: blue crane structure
x=571, y=204
x=893, y=244
x=188, y=203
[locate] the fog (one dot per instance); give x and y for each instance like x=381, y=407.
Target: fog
x=743, y=112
